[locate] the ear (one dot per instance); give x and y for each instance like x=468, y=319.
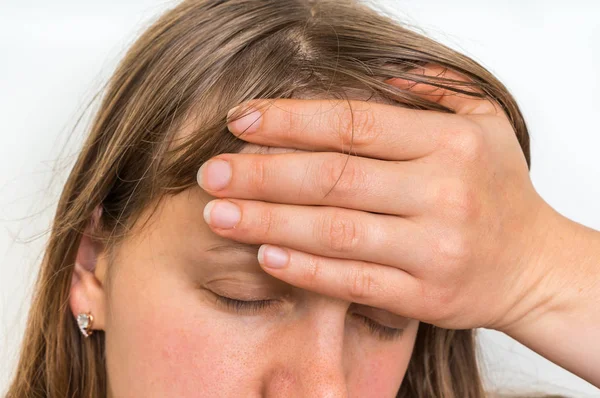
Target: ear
x=87, y=292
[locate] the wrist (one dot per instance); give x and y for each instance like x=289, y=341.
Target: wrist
x=563, y=324
x=564, y=270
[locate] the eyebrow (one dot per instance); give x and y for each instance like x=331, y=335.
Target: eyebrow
x=235, y=247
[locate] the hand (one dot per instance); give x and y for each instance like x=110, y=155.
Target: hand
x=432, y=217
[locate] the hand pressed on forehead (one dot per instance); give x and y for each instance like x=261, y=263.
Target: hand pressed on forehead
x=425, y=214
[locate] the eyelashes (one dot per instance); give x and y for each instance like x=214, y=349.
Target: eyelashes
x=382, y=332
x=252, y=307
x=246, y=307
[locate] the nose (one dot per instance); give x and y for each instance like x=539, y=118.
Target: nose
x=310, y=356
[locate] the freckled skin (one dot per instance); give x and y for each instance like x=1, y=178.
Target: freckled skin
x=166, y=338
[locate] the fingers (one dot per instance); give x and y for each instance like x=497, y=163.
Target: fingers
x=360, y=282
x=322, y=230
x=461, y=103
x=310, y=178
x=363, y=128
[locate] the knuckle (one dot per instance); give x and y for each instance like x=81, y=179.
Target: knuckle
x=487, y=107
x=454, y=249
x=312, y=272
x=360, y=282
x=459, y=201
x=447, y=302
x=440, y=303
x=264, y=223
x=463, y=203
x=257, y=174
x=340, y=175
x=356, y=127
x=290, y=122
x=467, y=143
x=338, y=232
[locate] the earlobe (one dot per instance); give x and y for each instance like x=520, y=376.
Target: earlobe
x=87, y=292
x=87, y=296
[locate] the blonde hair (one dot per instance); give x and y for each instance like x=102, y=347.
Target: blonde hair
x=189, y=68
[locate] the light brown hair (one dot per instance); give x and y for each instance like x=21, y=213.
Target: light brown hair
x=188, y=69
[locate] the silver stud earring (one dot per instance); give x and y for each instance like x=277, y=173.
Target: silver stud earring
x=85, y=322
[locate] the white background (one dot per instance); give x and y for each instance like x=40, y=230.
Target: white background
x=54, y=55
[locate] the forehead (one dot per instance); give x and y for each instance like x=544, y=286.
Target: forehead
x=178, y=219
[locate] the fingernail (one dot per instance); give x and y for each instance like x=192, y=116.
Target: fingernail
x=214, y=175
x=246, y=124
x=273, y=256
x=231, y=112
x=222, y=214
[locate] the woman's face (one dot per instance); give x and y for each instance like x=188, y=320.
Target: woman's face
x=168, y=333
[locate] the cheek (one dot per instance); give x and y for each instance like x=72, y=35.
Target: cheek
x=161, y=341
x=381, y=367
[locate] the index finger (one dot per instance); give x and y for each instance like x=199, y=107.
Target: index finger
x=377, y=130
x=368, y=129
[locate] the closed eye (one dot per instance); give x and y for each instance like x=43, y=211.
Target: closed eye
x=241, y=306
x=381, y=331
x=255, y=306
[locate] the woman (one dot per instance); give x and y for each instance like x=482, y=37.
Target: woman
x=139, y=296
